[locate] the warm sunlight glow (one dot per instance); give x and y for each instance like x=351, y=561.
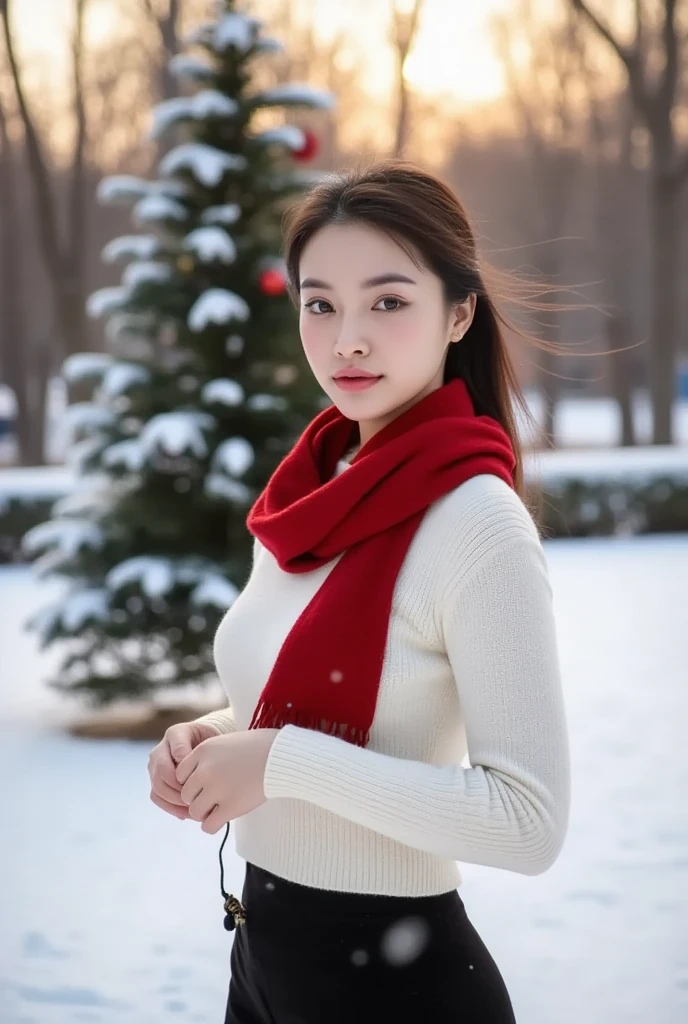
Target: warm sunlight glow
x=453, y=55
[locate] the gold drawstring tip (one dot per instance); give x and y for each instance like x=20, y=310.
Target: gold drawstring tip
x=235, y=915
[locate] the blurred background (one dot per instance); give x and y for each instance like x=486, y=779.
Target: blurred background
x=151, y=377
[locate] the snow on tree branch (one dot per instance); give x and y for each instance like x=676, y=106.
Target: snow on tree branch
x=106, y=300
x=226, y=392
x=210, y=244
x=194, y=69
x=293, y=94
x=122, y=188
x=178, y=432
x=227, y=213
x=87, y=415
x=208, y=165
x=141, y=247
x=158, y=208
x=218, y=306
x=68, y=535
x=85, y=366
x=203, y=106
x=233, y=456
x=122, y=376
x=147, y=272
x=215, y=591
x=286, y=135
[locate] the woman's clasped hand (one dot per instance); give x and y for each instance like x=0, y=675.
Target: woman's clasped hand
x=211, y=777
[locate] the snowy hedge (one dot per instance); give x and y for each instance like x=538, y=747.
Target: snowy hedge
x=575, y=494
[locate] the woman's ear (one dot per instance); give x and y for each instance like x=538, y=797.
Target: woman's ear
x=463, y=317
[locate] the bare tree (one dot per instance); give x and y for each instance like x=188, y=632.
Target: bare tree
x=404, y=31
x=25, y=366
x=166, y=19
x=656, y=99
x=62, y=252
x=544, y=99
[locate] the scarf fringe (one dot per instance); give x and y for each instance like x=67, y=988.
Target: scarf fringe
x=268, y=716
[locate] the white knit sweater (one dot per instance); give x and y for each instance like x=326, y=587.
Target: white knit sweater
x=471, y=674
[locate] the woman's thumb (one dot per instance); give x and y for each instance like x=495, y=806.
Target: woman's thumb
x=179, y=743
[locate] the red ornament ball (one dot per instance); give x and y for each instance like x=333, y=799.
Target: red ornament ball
x=309, y=148
x=272, y=282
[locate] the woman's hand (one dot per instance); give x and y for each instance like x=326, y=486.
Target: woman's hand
x=178, y=741
x=222, y=778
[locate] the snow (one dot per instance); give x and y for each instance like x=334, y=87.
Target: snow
x=211, y=103
x=105, y=301
x=87, y=416
x=204, y=105
x=217, y=485
x=177, y=432
x=207, y=164
x=616, y=465
x=140, y=247
x=234, y=456
x=154, y=576
x=183, y=65
x=123, y=376
x=218, y=306
x=121, y=188
x=129, y=454
x=211, y=243
x=85, y=365
x=226, y=213
x=215, y=591
x=582, y=421
x=167, y=113
x=294, y=94
x=224, y=391
x=287, y=135
x=74, y=612
x=146, y=272
x=112, y=909
x=156, y=208
x=235, y=30
x=263, y=403
x=68, y=535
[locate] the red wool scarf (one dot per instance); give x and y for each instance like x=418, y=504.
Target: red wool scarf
x=327, y=674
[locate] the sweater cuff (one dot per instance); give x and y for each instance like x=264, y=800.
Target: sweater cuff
x=303, y=764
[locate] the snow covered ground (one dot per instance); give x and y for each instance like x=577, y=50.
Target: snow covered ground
x=111, y=910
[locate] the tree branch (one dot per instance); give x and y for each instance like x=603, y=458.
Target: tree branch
x=46, y=219
x=76, y=213
x=631, y=57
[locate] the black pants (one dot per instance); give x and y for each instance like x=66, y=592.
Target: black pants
x=312, y=956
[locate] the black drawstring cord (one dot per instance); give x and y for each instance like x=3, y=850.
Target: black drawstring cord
x=234, y=912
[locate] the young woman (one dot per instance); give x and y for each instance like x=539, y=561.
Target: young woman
x=398, y=619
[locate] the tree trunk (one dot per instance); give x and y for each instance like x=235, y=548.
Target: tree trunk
x=25, y=376
x=665, y=270
x=621, y=373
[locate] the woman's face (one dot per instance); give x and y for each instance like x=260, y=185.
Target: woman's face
x=399, y=329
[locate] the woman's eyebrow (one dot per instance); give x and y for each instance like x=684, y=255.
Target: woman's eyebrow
x=371, y=282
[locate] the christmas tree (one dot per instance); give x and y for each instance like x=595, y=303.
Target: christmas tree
x=201, y=390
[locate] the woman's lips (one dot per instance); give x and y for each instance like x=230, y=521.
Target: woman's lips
x=356, y=383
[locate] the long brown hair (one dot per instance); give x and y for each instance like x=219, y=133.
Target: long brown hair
x=424, y=216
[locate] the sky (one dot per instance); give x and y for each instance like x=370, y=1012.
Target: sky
x=453, y=55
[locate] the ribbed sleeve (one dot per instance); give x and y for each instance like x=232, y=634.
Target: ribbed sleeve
x=510, y=808
x=223, y=719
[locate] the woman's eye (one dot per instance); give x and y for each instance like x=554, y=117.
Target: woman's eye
x=390, y=298
x=311, y=304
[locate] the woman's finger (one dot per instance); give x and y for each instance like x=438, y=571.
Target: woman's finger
x=214, y=821
x=165, y=791
x=177, y=812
